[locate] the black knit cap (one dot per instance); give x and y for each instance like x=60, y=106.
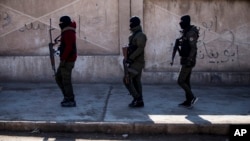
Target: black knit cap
x=66, y=20
x=186, y=19
x=134, y=21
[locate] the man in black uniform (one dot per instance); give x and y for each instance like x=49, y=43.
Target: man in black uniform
x=188, y=52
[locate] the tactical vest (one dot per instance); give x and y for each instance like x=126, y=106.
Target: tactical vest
x=132, y=47
x=184, y=43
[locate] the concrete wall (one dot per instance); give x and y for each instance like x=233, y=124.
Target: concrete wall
x=102, y=29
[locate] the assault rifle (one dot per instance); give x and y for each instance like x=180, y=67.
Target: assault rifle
x=125, y=65
x=51, y=50
x=175, y=49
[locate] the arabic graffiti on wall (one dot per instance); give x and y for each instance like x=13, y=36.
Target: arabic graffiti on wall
x=219, y=50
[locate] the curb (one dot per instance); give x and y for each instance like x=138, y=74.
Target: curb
x=115, y=127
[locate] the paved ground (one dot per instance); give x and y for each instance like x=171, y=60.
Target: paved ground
x=103, y=108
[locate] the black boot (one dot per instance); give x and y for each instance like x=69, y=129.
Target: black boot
x=64, y=100
x=132, y=102
x=68, y=102
x=136, y=103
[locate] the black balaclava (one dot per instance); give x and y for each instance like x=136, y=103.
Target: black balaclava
x=185, y=22
x=134, y=21
x=64, y=21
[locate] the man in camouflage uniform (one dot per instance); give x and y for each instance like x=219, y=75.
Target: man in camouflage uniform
x=188, y=52
x=136, y=62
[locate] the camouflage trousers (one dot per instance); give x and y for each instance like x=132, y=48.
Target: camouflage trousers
x=63, y=79
x=134, y=85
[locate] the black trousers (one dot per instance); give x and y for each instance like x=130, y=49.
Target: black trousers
x=184, y=82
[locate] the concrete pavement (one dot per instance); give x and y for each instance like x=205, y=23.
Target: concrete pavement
x=104, y=108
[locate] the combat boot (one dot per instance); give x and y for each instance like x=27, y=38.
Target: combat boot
x=136, y=104
x=68, y=102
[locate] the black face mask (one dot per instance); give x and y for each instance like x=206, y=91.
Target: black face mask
x=184, y=25
x=132, y=25
x=64, y=22
x=134, y=21
x=62, y=25
x=185, y=22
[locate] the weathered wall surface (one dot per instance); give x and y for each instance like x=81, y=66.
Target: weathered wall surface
x=102, y=29
x=25, y=25
x=224, y=33
x=223, y=46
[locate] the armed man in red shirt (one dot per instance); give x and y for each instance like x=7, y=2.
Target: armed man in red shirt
x=68, y=55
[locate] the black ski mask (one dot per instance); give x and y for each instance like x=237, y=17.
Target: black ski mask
x=185, y=22
x=134, y=21
x=64, y=22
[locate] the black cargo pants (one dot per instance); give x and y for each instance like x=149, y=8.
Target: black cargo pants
x=184, y=81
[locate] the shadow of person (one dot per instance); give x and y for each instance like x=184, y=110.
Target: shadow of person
x=196, y=119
